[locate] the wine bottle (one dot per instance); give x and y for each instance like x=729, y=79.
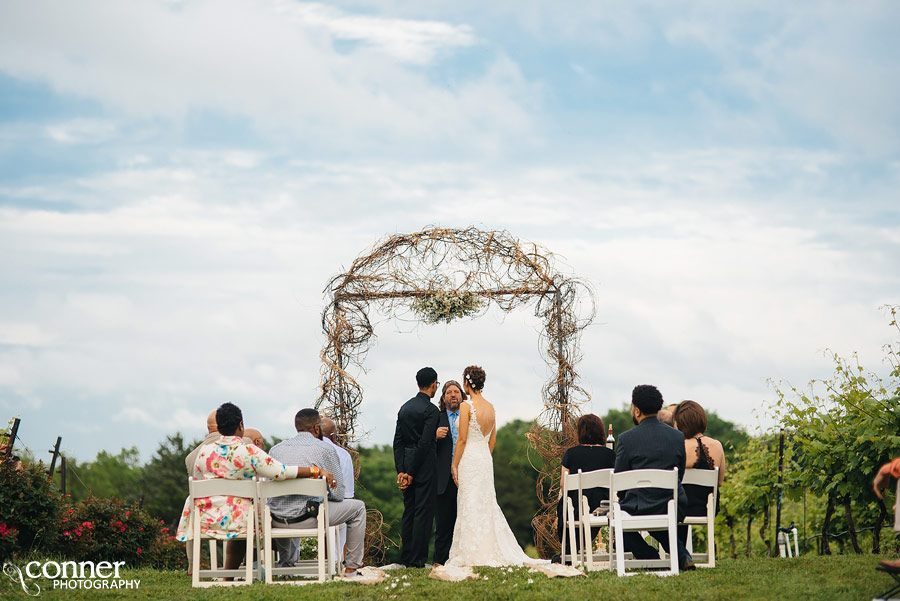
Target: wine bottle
x=610, y=441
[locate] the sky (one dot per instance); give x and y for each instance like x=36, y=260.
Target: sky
x=180, y=179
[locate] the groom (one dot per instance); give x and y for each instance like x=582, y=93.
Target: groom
x=414, y=458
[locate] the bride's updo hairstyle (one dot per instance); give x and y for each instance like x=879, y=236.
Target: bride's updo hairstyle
x=475, y=376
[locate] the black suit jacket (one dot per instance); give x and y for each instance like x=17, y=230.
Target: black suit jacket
x=417, y=423
x=444, y=451
x=652, y=445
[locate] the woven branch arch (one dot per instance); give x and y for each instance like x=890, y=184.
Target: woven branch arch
x=440, y=274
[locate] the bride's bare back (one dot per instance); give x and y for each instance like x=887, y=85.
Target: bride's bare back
x=484, y=414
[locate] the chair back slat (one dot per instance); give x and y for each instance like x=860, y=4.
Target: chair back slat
x=587, y=480
x=701, y=477
x=311, y=487
x=645, y=479
x=222, y=486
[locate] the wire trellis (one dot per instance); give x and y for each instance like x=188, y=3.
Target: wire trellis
x=439, y=274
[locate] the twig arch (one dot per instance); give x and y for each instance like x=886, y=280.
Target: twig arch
x=451, y=273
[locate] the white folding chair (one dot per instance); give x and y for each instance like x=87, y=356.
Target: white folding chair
x=221, y=487
x=581, y=527
x=709, y=478
x=623, y=521
x=311, y=487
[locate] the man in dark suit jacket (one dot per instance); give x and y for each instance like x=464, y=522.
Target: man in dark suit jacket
x=651, y=445
x=414, y=458
x=448, y=431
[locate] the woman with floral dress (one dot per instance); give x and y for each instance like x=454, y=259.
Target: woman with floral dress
x=224, y=517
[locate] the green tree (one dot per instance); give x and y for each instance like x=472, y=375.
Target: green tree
x=516, y=467
x=107, y=475
x=163, y=483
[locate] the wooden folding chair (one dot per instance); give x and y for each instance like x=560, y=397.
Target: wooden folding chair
x=311, y=487
x=588, y=521
x=623, y=521
x=708, y=478
x=221, y=487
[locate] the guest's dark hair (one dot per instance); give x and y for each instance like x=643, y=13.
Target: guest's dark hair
x=425, y=377
x=306, y=420
x=475, y=376
x=647, y=398
x=462, y=393
x=690, y=418
x=228, y=419
x=590, y=429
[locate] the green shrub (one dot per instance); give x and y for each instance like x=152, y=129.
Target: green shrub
x=98, y=529
x=29, y=506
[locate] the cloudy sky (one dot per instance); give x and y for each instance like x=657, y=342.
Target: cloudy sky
x=180, y=179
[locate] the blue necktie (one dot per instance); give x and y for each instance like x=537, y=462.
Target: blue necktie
x=454, y=431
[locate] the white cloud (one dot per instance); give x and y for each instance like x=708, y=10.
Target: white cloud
x=81, y=131
x=416, y=42
x=211, y=59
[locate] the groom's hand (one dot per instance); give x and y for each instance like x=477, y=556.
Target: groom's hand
x=404, y=480
x=442, y=432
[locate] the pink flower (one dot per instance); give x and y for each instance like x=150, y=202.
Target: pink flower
x=139, y=550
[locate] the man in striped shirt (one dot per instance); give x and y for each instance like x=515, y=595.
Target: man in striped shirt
x=308, y=449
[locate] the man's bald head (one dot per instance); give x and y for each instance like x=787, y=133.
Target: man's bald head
x=666, y=416
x=329, y=429
x=256, y=436
x=211, y=425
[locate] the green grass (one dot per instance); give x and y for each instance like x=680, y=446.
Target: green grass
x=818, y=578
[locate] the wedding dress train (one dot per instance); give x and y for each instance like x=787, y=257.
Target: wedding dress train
x=482, y=536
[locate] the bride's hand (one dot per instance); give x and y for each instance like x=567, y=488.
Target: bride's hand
x=454, y=472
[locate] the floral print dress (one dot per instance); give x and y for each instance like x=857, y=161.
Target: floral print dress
x=225, y=517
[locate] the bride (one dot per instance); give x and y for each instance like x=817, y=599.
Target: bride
x=482, y=536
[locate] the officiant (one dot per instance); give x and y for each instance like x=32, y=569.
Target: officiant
x=447, y=433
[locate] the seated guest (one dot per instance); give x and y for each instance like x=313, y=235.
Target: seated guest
x=701, y=453
x=329, y=433
x=590, y=454
x=308, y=448
x=651, y=445
x=666, y=416
x=211, y=437
x=254, y=436
x=224, y=517
x=251, y=436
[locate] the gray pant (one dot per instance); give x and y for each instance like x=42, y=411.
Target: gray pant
x=349, y=511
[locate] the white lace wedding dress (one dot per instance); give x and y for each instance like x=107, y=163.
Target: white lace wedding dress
x=482, y=537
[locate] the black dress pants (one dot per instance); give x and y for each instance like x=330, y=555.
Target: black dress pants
x=638, y=547
x=445, y=522
x=417, y=521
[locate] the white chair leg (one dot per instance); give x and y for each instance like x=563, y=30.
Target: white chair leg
x=689, y=543
x=195, y=568
x=673, y=547
x=321, y=554
x=620, y=552
x=269, y=552
x=251, y=527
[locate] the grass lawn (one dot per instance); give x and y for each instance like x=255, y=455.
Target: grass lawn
x=818, y=578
